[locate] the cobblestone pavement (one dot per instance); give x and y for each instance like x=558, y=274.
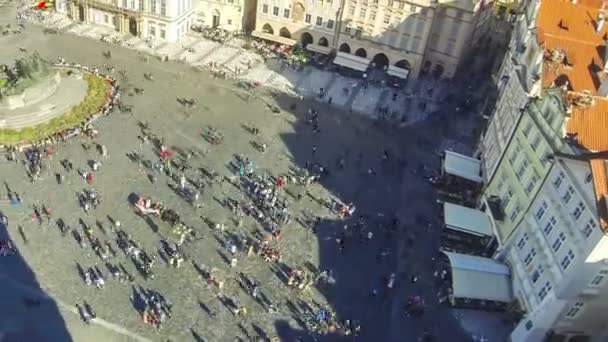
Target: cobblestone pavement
x=199, y=313
x=232, y=55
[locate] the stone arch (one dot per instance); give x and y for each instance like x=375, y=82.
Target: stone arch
x=381, y=60
x=344, y=48
x=438, y=70
x=267, y=28
x=361, y=53
x=306, y=38
x=403, y=64
x=323, y=41
x=298, y=12
x=284, y=32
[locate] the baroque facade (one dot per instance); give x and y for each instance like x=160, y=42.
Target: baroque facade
x=424, y=35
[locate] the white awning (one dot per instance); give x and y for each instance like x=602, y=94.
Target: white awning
x=479, y=278
x=471, y=221
x=319, y=49
x=398, y=72
x=351, y=61
x=272, y=37
x=462, y=166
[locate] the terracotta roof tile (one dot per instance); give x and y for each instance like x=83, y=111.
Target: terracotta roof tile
x=567, y=27
x=590, y=124
x=600, y=183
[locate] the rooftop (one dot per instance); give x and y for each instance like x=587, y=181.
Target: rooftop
x=573, y=49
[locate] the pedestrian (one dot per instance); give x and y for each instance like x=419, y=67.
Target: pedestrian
x=314, y=150
x=89, y=178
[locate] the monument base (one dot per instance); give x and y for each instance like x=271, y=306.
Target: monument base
x=43, y=89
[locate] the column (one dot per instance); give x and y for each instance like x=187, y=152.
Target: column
x=125, y=23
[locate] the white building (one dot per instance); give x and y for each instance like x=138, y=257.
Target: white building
x=559, y=256
x=223, y=14
x=518, y=80
x=157, y=19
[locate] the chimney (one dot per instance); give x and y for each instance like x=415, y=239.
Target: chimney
x=600, y=22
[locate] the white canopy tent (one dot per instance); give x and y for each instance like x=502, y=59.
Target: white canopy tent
x=462, y=166
x=398, y=72
x=467, y=220
x=318, y=48
x=351, y=61
x=480, y=278
x=272, y=37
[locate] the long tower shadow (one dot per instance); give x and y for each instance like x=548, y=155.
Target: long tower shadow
x=26, y=312
x=381, y=191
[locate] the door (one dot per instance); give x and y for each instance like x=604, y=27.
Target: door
x=81, y=13
x=133, y=26
x=216, y=20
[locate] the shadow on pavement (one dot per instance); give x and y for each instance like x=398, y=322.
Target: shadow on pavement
x=390, y=190
x=26, y=312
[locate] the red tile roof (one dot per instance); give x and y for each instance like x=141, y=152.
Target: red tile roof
x=570, y=28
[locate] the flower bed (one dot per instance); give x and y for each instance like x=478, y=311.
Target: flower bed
x=96, y=97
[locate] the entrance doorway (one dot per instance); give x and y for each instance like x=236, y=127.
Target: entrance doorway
x=81, y=14
x=133, y=26
x=215, y=21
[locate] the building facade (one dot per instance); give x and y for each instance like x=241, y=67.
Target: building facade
x=525, y=163
x=422, y=35
x=157, y=19
x=558, y=258
x=517, y=81
x=309, y=22
x=224, y=14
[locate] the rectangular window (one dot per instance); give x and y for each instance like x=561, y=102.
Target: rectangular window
x=522, y=242
x=275, y=10
x=559, y=241
x=507, y=198
x=351, y=10
x=163, y=7
x=540, y=212
x=535, y=142
x=559, y=180
x=153, y=6
x=362, y=13
x=124, y=3
x=527, y=128
x=387, y=19
x=568, y=195
x=550, y=225
x=376, y=1
x=415, y=44
x=589, y=228
x=599, y=279
x=514, y=154
x=132, y=4
x=358, y=32
x=286, y=13
x=530, y=257
x=141, y=5
x=567, y=260
x=330, y=24
x=265, y=8
x=538, y=271
x=401, y=5
x=575, y=310
x=515, y=213
x=163, y=33
x=579, y=210
x=413, y=8
x=372, y=15
x=531, y=184
x=308, y=18
x=347, y=30
x=544, y=291
x=319, y=21
x=523, y=168
x=152, y=31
